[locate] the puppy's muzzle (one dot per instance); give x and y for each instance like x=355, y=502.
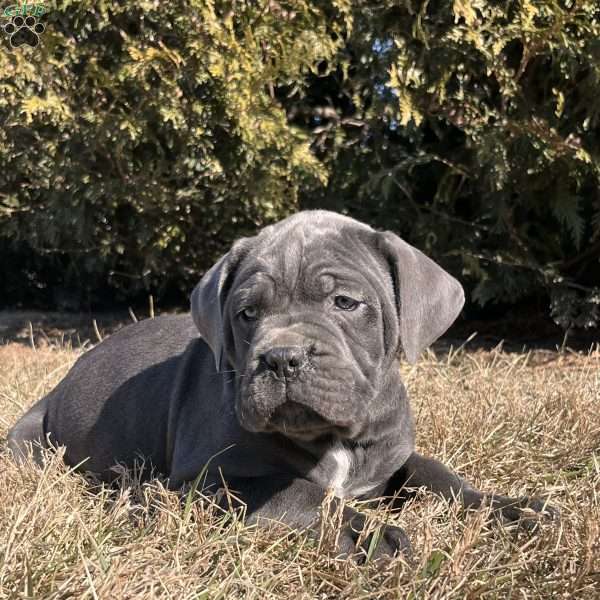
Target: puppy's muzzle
x=286, y=362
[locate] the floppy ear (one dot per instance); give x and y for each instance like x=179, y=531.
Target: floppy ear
x=208, y=299
x=428, y=299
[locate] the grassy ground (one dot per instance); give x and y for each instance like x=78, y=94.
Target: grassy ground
x=516, y=423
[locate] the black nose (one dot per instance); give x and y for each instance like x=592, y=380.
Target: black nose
x=285, y=361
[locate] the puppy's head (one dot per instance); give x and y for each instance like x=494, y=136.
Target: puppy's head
x=311, y=314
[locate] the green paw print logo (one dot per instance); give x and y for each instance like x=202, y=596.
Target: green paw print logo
x=24, y=31
x=24, y=27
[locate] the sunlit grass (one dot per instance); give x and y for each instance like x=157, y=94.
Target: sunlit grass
x=515, y=423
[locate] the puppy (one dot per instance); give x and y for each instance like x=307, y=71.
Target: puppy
x=284, y=380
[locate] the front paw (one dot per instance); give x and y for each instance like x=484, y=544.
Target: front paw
x=525, y=511
x=383, y=542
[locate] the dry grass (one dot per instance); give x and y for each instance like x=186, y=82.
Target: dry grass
x=513, y=423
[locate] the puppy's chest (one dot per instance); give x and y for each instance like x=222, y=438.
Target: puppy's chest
x=348, y=473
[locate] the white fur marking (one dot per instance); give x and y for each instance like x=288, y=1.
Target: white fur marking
x=343, y=462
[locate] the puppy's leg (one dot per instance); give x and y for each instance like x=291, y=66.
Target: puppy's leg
x=27, y=435
x=420, y=471
x=298, y=502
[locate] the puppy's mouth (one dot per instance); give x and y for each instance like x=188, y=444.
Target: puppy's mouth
x=303, y=409
x=295, y=420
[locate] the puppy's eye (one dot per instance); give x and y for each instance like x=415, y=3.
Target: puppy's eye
x=249, y=313
x=346, y=303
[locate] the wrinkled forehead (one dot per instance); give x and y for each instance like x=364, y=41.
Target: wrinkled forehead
x=311, y=257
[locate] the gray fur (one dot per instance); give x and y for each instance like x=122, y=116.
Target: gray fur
x=339, y=418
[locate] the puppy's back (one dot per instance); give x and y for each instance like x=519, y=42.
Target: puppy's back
x=113, y=404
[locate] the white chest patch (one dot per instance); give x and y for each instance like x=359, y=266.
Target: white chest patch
x=342, y=461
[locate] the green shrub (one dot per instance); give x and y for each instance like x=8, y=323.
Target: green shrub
x=473, y=128
x=138, y=141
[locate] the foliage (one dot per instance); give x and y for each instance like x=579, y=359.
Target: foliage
x=139, y=141
x=473, y=128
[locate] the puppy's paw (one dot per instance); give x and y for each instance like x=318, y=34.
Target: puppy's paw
x=527, y=512
x=385, y=542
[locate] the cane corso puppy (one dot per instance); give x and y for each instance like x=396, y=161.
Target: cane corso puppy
x=284, y=380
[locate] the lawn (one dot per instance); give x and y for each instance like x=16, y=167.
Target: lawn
x=519, y=423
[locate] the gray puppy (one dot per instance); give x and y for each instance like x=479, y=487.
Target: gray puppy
x=292, y=387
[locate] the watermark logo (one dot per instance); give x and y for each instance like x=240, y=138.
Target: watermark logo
x=24, y=27
x=36, y=9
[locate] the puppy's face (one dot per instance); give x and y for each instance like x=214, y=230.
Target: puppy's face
x=308, y=318
x=305, y=323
